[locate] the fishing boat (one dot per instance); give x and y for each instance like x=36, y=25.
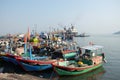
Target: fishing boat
x=28, y=64
x=82, y=35
x=91, y=59
x=29, y=61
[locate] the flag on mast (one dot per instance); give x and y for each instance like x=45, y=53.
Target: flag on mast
x=28, y=34
x=25, y=38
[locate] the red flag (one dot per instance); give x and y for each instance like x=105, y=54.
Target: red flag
x=25, y=38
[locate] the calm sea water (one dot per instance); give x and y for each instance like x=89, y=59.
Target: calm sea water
x=111, y=69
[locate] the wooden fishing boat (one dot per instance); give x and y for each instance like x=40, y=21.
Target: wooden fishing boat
x=36, y=64
x=33, y=63
x=28, y=61
x=85, y=64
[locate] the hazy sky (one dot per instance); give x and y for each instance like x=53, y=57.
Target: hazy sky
x=90, y=16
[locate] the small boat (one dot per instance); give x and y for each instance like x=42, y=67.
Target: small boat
x=82, y=35
x=91, y=59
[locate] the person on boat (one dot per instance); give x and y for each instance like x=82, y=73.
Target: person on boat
x=79, y=51
x=103, y=57
x=78, y=56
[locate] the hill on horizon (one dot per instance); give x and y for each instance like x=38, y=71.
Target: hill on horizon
x=118, y=32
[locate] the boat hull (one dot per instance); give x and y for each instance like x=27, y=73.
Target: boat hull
x=62, y=72
x=30, y=67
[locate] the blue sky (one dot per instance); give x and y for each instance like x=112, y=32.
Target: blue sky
x=90, y=16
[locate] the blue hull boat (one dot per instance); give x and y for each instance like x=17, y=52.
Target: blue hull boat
x=31, y=67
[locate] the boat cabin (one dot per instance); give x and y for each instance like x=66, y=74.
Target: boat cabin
x=92, y=50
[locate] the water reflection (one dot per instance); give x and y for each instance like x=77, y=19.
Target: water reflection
x=93, y=75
